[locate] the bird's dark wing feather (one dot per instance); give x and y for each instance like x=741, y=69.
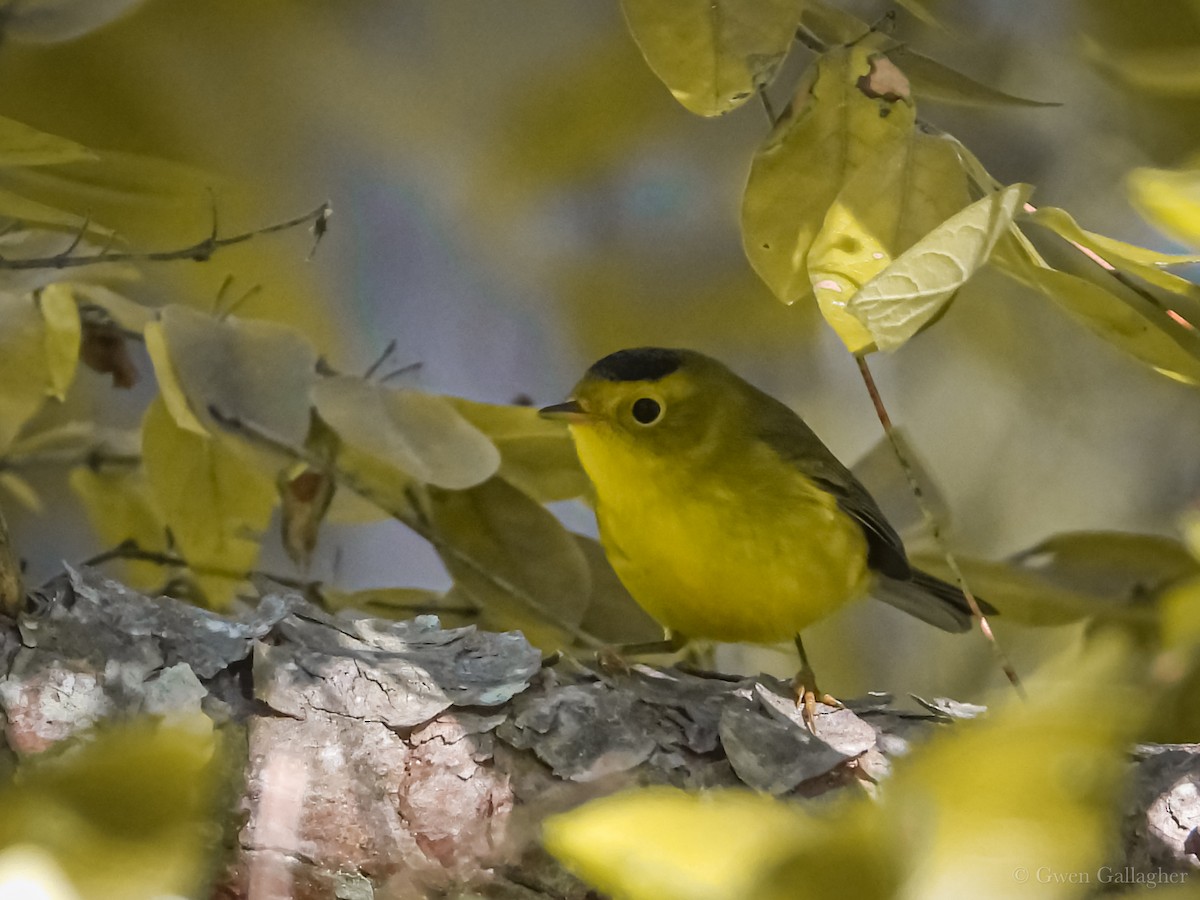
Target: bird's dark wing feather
x=794, y=441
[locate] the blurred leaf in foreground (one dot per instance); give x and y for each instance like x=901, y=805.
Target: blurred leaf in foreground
x=1170, y=200
x=124, y=813
x=1030, y=785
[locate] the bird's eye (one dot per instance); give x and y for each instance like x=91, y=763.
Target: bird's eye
x=646, y=411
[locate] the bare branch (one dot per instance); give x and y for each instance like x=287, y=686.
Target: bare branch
x=200, y=251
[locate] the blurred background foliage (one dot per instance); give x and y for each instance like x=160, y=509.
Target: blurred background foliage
x=516, y=194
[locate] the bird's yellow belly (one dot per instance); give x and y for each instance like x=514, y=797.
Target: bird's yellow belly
x=732, y=564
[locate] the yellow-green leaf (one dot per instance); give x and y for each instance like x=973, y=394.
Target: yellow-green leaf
x=21, y=491
x=795, y=176
x=1172, y=71
x=14, y=206
x=23, y=145
x=514, y=559
x=660, y=843
x=1169, y=200
x=536, y=454
x=216, y=505
x=613, y=616
x=419, y=434
x=832, y=25
x=127, y=813
x=993, y=800
x=24, y=370
x=912, y=186
x=119, y=506
x=1147, y=264
x=1115, y=312
x=914, y=290
x=258, y=372
x=169, y=389
x=933, y=81
x=63, y=334
x=713, y=56
x=1020, y=594
x=127, y=314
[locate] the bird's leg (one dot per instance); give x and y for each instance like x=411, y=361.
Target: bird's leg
x=613, y=658
x=807, y=693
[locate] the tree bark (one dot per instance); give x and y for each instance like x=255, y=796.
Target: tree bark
x=400, y=759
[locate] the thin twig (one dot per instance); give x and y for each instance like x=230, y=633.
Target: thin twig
x=96, y=458
x=131, y=551
x=197, y=252
x=805, y=36
x=931, y=522
x=405, y=369
x=383, y=357
x=767, y=106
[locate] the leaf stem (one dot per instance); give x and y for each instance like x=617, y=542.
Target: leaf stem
x=931, y=522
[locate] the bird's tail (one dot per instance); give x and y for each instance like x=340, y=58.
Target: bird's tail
x=930, y=599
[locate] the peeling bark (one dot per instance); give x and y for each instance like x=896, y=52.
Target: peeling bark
x=403, y=760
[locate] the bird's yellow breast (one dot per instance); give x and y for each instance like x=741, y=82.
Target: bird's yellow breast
x=753, y=552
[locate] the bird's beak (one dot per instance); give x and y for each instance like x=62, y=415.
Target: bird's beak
x=571, y=411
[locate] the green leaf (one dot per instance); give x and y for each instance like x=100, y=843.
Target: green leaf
x=920, y=9
x=120, y=508
x=613, y=616
x=913, y=290
x=259, y=372
x=22, y=145
x=25, y=377
x=63, y=334
x=216, y=504
x=1021, y=595
x=913, y=185
x=933, y=81
x=713, y=54
x=420, y=435
x=660, y=843
x=124, y=813
x=1172, y=71
x=513, y=559
x=1147, y=264
x=1117, y=313
x=21, y=491
x=834, y=128
x=15, y=206
x=536, y=455
x=832, y=25
x=126, y=314
x=1169, y=200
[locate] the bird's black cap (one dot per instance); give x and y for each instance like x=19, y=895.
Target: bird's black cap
x=639, y=364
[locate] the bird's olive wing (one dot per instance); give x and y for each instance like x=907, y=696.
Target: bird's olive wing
x=796, y=443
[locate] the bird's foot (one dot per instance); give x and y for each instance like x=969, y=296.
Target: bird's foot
x=612, y=661
x=808, y=695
